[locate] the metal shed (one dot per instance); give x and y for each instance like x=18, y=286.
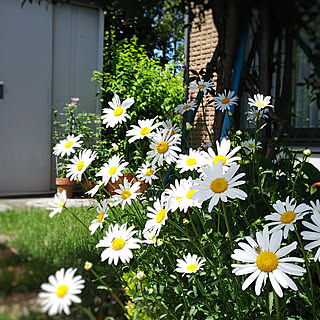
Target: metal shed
x=48, y=54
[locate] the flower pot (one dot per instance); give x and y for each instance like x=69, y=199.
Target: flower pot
x=87, y=185
x=65, y=184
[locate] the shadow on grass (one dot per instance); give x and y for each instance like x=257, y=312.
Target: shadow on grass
x=37, y=247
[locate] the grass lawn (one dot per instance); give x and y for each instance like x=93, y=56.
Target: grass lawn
x=36, y=246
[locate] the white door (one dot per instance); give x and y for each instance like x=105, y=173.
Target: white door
x=25, y=107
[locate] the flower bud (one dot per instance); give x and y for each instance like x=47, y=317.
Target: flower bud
x=307, y=152
x=188, y=126
x=275, y=138
x=141, y=276
x=185, y=221
x=115, y=147
x=150, y=291
x=238, y=132
x=87, y=265
x=159, y=242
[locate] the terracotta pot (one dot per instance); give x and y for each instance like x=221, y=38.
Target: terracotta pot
x=111, y=186
x=65, y=184
x=87, y=185
x=143, y=186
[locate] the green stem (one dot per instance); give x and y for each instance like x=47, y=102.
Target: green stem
x=227, y=224
x=276, y=302
x=309, y=273
x=205, y=123
x=144, y=298
x=298, y=175
x=86, y=311
x=193, y=226
x=110, y=290
x=81, y=222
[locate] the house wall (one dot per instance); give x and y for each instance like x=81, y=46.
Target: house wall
x=202, y=43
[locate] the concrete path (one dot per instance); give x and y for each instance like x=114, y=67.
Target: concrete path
x=15, y=203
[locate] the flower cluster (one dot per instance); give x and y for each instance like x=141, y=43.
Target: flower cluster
x=168, y=212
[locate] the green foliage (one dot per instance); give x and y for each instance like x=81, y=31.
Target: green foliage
x=156, y=89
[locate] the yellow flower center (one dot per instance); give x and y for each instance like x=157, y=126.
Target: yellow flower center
x=191, y=162
x=118, y=112
x=190, y=193
x=62, y=204
x=149, y=172
x=68, y=144
x=267, y=261
x=251, y=145
x=260, y=105
x=287, y=217
x=80, y=165
x=191, y=267
x=118, y=244
x=160, y=216
x=219, y=185
x=186, y=107
x=100, y=216
x=201, y=86
x=219, y=157
x=62, y=291
x=144, y=131
x=162, y=147
x=257, y=114
x=225, y=100
x=112, y=170
x=125, y=194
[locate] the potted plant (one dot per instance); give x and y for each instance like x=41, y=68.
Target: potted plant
x=70, y=131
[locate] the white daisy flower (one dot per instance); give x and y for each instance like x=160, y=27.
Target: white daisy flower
x=251, y=146
x=265, y=259
x=254, y=115
x=188, y=106
x=314, y=235
x=203, y=86
x=180, y=195
x=144, y=129
x=158, y=214
x=223, y=153
x=172, y=128
x=280, y=156
x=117, y=113
x=126, y=192
x=147, y=173
x=119, y=242
x=260, y=101
x=67, y=146
x=58, y=203
x=192, y=161
x=63, y=289
x=112, y=170
x=95, y=189
x=150, y=236
x=189, y=264
x=217, y=184
x=315, y=206
x=80, y=163
x=286, y=215
x=102, y=214
x=164, y=147
x=224, y=101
